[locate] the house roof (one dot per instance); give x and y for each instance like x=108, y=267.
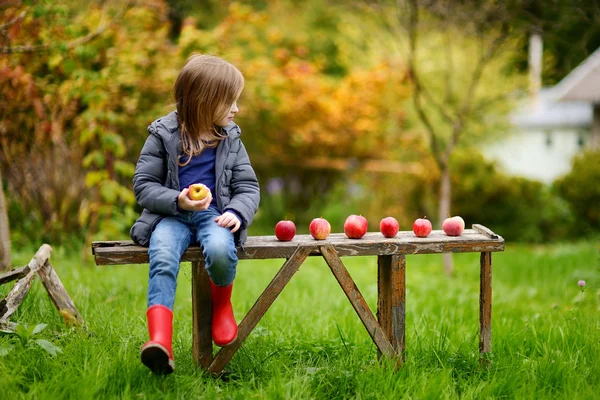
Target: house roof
x=547, y=112
x=582, y=83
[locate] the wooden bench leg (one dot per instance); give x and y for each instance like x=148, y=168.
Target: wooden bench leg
x=391, y=301
x=485, y=307
x=201, y=316
x=357, y=300
x=268, y=296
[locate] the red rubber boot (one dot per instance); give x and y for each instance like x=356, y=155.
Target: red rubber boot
x=224, y=328
x=157, y=353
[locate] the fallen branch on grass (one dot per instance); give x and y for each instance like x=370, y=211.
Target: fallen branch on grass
x=40, y=265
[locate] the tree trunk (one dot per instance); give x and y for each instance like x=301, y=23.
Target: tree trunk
x=444, y=211
x=5, y=256
x=594, y=142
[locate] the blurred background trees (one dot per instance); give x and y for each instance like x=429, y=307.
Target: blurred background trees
x=328, y=113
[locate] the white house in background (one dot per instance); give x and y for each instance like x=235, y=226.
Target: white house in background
x=553, y=126
x=546, y=135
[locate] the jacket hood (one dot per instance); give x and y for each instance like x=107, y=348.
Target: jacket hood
x=165, y=126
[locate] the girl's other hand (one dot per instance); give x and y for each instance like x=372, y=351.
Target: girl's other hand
x=187, y=204
x=229, y=220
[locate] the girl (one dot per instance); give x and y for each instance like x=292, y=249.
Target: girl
x=197, y=143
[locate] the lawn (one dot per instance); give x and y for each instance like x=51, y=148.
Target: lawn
x=311, y=344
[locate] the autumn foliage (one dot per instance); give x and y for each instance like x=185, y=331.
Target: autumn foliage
x=74, y=111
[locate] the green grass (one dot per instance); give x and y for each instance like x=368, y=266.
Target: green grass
x=311, y=344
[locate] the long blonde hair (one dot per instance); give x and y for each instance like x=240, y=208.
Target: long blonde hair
x=205, y=89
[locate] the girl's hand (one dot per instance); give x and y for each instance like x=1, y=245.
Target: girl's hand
x=229, y=220
x=187, y=204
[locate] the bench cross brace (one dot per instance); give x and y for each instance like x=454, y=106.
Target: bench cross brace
x=202, y=346
x=203, y=353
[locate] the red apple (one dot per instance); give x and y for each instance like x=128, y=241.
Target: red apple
x=422, y=227
x=319, y=228
x=389, y=227
x=355, y=226
x=285, y=230
x=197, y=191
x=453, y=226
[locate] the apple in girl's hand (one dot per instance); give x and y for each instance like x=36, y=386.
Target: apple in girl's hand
x=389, y=227
x=285, y=230
x=355, y=226
x=422, y=227
x=453, y=226
x=319, y=228
x=197, y=191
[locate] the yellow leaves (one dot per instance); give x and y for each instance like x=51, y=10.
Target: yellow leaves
x=125, y=169
x=346, y=116
x=282, y=55
x=110, y=190
x=97, y=99
x=93, y=178
x=55, y=60
x=274, y=36
x=365, y=125
x=94, y=158
x=193, y=40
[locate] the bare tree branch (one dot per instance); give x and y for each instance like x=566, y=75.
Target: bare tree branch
x=440, y=108
x=484, y=104
x=465, y=110
x=13, y=21
x=478, y=72
x=449, y=70
x=418, y=87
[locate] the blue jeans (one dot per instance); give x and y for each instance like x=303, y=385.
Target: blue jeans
x=171, y=238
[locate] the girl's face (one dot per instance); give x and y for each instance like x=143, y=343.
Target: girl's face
x=229, y=118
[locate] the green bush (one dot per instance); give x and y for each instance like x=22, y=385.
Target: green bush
x=516, y=208
x=580, y=188
x=303, y=194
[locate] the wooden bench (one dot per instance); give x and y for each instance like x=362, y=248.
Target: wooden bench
x=387, y=330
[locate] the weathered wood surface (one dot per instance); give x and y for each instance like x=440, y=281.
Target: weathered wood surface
x=9, y=305
x=391, y=301
x=485, y=231
x=373, y=243
x=8, y=326
x=485, y=307
x=357, y=300
x=264, y=301
x=202, y=349
x=14, y=274
x=59, y=295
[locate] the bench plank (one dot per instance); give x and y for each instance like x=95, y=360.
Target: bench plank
x=265, y=247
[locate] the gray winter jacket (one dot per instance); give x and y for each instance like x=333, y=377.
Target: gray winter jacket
x=156, y=178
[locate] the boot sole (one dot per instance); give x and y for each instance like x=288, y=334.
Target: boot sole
x=156, y=357
x=228, y=343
